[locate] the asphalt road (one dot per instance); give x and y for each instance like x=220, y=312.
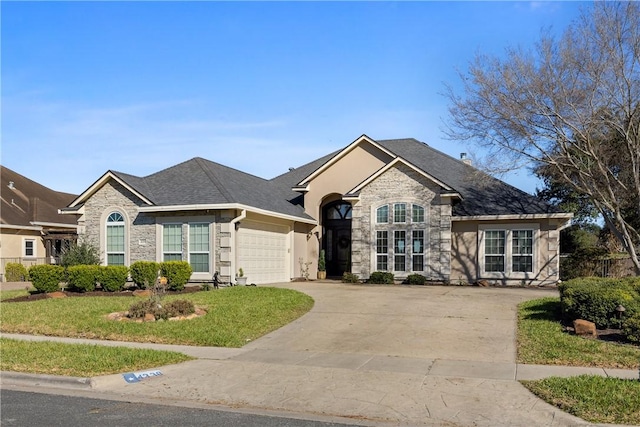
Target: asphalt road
x=19, y=408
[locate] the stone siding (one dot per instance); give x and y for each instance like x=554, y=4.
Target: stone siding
x=140, y=227
x=403, y=185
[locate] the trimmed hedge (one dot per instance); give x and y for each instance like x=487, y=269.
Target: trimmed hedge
x=631, y=328
x=381, y=278
x=46, y=277
x=416, y=279
x=83, y=278
x=177, y=273
x=112, y=278
x=595, y=299
x=15, y=272
x=350, y=278
x=144, y=273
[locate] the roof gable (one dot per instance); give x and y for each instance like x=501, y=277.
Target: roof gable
x=339, y=155
x=394, y=163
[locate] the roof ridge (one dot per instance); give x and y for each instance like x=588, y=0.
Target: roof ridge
x=214, y=179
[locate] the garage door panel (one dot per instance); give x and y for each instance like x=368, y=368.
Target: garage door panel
x=263, y=252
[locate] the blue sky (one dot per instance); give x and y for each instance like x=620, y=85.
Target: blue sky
x=140, y=86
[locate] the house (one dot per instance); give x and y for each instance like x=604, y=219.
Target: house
x=390, y=205
x=31, y=229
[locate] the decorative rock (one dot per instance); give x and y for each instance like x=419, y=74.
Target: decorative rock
x=584, y=328
x=142, y=293
x=148, y=317
x=56, y=295
x=483, y=283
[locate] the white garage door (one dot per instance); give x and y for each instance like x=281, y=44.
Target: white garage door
x=263, y=252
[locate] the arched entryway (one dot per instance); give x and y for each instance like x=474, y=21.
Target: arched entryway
x=336, y=238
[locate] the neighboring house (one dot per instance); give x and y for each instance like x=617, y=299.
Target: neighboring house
x=392, y=205
x=31, y=229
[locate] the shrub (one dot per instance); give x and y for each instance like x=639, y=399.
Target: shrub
x=631, y=328
x=350, y=278
x=82, y=253
x=595, y=299
x=179, y=307
x=46, y=277
x=381, y=277
x=83, y=278
x=584, y=262
x=177, y=273
x=15, y=272
x=112, y=278
x=139, y=309
x=416, y=279
x=144, y=273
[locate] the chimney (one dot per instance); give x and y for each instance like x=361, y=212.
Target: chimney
x=465, y=159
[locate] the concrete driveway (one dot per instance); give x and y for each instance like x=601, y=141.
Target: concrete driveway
x=453, y=323
x=371, y=355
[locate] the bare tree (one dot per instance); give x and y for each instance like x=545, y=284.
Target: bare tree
x=571, y=105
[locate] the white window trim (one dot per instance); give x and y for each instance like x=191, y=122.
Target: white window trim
x=508, y=265
x=24, y=247
x=408, y=226
x=103, y=233
x=162, y=251
x=200, y=274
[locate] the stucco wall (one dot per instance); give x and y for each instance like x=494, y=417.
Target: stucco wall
x=465, y=262
x=403, y=184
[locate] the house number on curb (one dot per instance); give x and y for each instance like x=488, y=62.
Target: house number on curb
x=135, y=377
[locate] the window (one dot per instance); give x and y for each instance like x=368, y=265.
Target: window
x=399, y=212
x=199, y=247
x=382, y=214
x=382, y=251
x=418, y=250
x=522, y=250
x=172, y=242
x=29, y=248
x=399, y=248
x=417, y=214
x=406, y=252
x=494, y=246
x=509, y=251
x=115, y=239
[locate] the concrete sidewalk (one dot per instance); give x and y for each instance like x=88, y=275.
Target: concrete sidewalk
x=372, y=354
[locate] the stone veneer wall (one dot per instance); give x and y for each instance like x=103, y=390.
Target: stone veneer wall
x=403, y=184
x=141, y=236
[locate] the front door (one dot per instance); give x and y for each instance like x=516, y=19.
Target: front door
x=336, y=240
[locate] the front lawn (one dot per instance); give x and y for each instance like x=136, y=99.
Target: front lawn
x=541, y=341
x=234, y=317
x=592, y=398
x=80, y=360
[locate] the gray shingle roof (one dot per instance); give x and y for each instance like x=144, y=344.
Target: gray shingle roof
x=200, y=181
x=482, y=194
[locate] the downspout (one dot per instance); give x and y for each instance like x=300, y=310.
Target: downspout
x=234, y=261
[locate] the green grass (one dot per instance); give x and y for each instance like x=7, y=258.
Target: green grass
x=592, y=398
x=541, y=341
x=79, y=360
x=12, y=294
x=234, y=317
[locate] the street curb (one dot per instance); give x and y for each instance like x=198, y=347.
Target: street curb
x=8, y=377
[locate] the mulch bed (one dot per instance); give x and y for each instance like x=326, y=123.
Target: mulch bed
x=126, y=293
x=609, y=335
